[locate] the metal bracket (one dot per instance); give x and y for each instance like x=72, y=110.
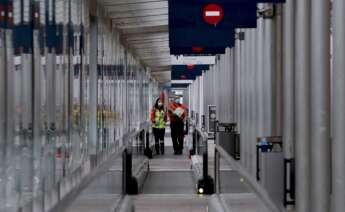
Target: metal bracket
x=289, y=182
x=268, y=12
x=240, y=36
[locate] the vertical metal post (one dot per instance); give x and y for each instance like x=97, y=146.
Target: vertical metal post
x=11, y=188
x=217, y=171
x=232, y=85
x=237, y=67
x=288, y=76
x=338, y=151
x=246, y=102
x=37, y=118
x=250, y=87
x=241, y=60
x=320, y=102
x=2, y=118
x=255, y=99
x=278, y=71
x=268, y=77
x=302, y=104
x=93, y=144
x=260, y=70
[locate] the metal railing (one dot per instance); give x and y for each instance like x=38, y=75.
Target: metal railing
x=84, y=176
x=220, y=152
x=205, y=183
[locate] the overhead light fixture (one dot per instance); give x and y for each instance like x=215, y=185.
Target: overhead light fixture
x=196, y=60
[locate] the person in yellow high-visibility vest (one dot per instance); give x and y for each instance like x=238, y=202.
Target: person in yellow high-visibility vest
x=158, y=121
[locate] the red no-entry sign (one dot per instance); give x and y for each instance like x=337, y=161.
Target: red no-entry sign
x=213, y=14
x=197, y=49
x=190, y=67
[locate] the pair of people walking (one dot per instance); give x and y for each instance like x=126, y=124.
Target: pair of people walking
x=177, y=115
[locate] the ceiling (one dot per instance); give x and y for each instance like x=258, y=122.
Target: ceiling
x=144, y=28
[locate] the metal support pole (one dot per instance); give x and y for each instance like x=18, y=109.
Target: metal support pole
x=241, y=99
x=250, y=86
x=260, y=70
x=288, y=77
x=217, y=171
x=302, y=105
x=2, y=120
x=93, y=144
x=320, y=102
x=237, y=77
x=278, y=71
x=338, y=151
x=233, y=85
x=255, y=111
x=246, y=100
x=268, y=77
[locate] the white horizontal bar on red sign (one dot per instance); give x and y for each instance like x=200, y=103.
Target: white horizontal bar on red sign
x=212, y=13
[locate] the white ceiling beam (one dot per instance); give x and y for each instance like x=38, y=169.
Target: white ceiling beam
x=153, y=51
x=119, y=2
x=136, y=7
x=137, y=13
x=150, y=45
x=135, y=19
x=148, y=36
x=148, y=41
x=144, y=29
x=143, y=25
x=162, y=57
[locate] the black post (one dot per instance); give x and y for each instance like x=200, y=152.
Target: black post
x=128, y=170
x=205, y=165
x=193, y=151
x=129, y=183
x=148, y=151
x=124, y=173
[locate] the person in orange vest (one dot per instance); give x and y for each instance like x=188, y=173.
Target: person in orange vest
x=158, y=121
x=177, y=115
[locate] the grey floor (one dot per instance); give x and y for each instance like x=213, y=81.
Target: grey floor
x=245, y=202
x=169, y=187
x=170, y=203
x=103, y=194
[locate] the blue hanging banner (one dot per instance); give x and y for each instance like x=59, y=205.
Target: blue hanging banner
x=205, y=25
x=200, y=40
x=212, y=14
x=187, y=72
x=179, y=85
x=234, y=1
x=197, y=51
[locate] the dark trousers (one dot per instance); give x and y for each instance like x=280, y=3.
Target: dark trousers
x=177, y=135
x=159, y=139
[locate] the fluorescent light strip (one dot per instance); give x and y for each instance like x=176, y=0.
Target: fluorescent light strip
x=181, y=81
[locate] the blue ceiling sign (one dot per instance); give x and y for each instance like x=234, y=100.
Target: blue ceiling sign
x=184, y=85
x=187, y=72
x=192, y=14
x=197, y=38
x=190, y=25
x=207, y=26
x=196, y=51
